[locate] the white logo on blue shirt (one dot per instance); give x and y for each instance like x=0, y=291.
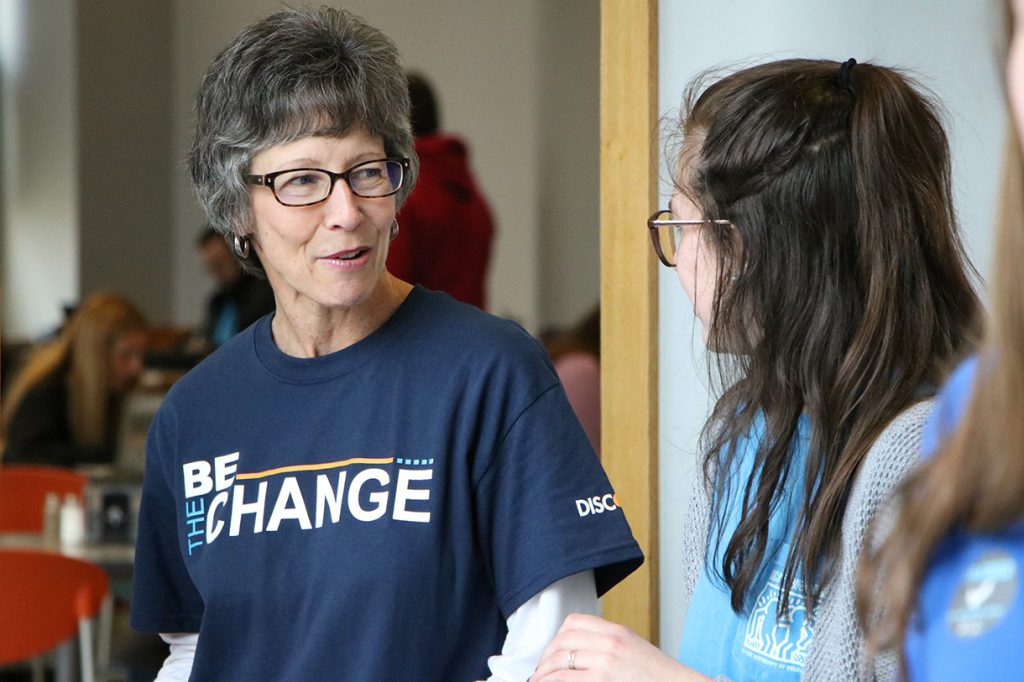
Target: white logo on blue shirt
x=984, y=595
x=240, y=502
x=785, y=642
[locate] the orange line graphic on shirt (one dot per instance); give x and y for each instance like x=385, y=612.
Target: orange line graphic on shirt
x=316, y=467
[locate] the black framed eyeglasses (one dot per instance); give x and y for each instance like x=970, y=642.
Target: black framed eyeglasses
x=307, y=186
x=666, y=233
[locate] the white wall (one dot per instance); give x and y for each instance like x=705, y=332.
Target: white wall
x=124, y=143
x=949, y=44
x=40, y=165
x=86, y=146
x=568, y=181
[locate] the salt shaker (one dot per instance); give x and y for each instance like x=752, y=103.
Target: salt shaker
x=72, y=521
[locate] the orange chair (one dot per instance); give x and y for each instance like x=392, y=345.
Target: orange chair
x=45, y=599
x=23, y=490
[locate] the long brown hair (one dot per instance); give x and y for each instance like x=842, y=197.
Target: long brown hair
x=842, y=290
x=976, y=480
x=82, y=350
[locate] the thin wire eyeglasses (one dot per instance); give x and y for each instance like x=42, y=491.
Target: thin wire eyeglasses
x=666, y=233
x=307, y=186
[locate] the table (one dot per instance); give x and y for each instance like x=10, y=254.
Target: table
x=114, y=557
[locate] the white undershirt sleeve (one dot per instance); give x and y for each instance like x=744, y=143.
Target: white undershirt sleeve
x=536, y=622
x=178, y=664
x=530, y=628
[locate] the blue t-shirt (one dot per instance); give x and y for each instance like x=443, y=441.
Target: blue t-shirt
x=970, y=619
x=752, y=645
x=373, y=514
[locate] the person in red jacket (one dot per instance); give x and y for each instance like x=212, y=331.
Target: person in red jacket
x=446, y=227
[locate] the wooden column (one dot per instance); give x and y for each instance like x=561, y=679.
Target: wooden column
x=629, y=301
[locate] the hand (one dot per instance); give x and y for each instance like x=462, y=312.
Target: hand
x=603, y=651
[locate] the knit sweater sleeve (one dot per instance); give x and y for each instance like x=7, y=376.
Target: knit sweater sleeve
x=695, y=534
x=838, y=651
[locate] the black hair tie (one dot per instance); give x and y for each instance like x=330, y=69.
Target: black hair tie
x=843, y=78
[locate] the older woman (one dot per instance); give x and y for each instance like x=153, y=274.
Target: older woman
x=377, y=482
x=64, y=407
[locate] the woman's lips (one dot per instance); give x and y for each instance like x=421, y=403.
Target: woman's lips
x=350, y=258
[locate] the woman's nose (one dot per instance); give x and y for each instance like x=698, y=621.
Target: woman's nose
x=342, y=207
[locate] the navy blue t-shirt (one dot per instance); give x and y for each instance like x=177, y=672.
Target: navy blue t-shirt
x=373, y=514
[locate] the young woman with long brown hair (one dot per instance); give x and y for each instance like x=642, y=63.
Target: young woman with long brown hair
x=950, y=569
x=63, y=407
x=812, y=227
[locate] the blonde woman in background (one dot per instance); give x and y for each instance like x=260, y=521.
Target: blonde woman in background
x=951, y=568
x=64, y=405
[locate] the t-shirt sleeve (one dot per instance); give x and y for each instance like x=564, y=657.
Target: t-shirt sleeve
x=164, y=598
x=546, y=509
x=950, y=407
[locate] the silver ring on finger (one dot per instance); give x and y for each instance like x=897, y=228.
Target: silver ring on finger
x=572, y=660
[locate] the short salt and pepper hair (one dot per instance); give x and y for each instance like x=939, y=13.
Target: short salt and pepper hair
x=296, y=73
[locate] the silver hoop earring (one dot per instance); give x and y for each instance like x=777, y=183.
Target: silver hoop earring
x=394, y=229
x=241, y=245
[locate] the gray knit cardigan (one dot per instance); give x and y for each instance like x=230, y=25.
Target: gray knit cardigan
x=837, y=648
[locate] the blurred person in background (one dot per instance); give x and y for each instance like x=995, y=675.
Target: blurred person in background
x=576, y=355
x=63, y=408
x=447, y=227
x=239, y=298
x=948, y=578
